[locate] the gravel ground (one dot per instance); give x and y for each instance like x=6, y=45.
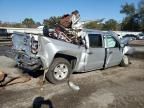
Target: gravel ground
x=116, y=87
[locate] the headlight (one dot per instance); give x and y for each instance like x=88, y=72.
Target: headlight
x=34, y=46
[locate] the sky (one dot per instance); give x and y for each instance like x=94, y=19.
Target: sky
x=18, y=10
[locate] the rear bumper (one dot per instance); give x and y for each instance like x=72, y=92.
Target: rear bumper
x=28, y=62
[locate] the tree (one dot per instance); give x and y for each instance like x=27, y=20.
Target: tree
x=141, y=14
x=110, y=25
x=0, y=22
x=28, y=22
x=134, y=20
x=51, y=21
x=94, y=24
x=17, y=25
x=38, y=24
x=128, y=9
x=131, y=21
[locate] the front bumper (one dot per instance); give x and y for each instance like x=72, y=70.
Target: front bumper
x=128, y=50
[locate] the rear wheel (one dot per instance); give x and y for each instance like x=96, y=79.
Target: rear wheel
x=125, y=61
x=59, y=71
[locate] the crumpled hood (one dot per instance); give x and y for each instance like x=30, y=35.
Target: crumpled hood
x=128, y=50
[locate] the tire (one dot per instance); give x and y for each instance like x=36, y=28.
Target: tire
x=59, y=71
x=124, y=61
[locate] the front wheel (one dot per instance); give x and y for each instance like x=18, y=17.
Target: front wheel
x=59, y=71
x=124, y=61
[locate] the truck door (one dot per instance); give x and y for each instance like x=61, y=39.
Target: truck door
x=95, y=53
x=113, y=51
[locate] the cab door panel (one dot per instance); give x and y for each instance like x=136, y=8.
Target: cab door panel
x=114, y=52
x=95, y=53
x=95, y=58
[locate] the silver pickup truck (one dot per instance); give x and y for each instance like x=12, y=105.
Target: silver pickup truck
x=59, y=59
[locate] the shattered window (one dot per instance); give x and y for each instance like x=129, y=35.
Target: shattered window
x=95, y=40
x=111, y=42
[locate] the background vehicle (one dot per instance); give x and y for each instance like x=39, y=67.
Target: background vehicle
x=141, y=36
x=134, y=37
x=4, y=33
x=59, y=59
x=127, y=38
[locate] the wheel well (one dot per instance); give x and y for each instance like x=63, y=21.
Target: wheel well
x=72, y=60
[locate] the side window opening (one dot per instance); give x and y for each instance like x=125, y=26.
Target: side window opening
x=95, y=40
x=111, y=42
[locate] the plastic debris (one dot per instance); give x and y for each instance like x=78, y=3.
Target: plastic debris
x=73, y=86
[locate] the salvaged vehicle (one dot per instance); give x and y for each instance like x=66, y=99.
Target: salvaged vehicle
x=4, y=33
x=59, y=59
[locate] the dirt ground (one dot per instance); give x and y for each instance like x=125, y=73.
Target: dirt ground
x=116, y=87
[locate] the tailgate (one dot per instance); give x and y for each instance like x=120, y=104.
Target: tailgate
x=24, y=42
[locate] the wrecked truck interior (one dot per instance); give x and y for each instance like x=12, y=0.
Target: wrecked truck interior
x=69, y=29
